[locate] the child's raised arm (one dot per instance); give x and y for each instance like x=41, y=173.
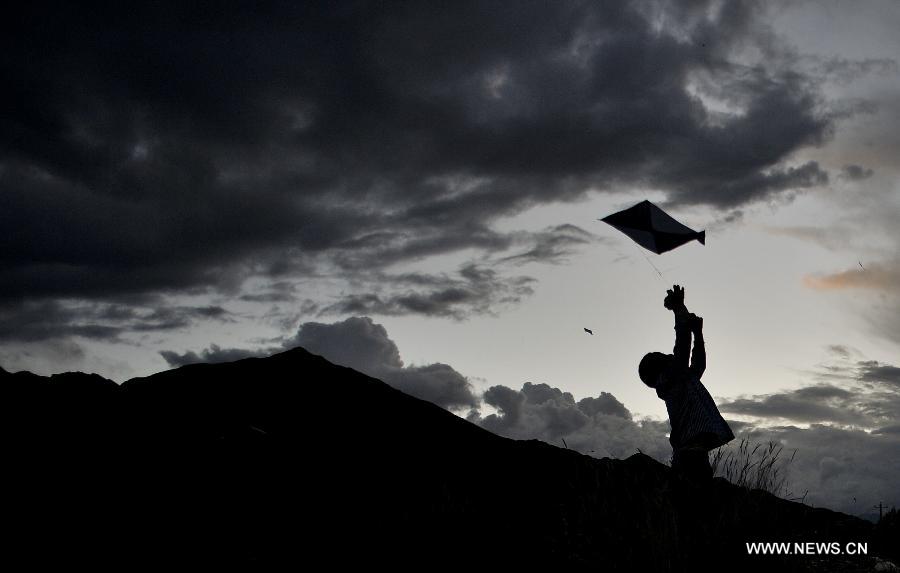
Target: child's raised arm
x=698, y=356
x=674, y=301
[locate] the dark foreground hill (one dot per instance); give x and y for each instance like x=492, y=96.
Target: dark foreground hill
x=292, y=461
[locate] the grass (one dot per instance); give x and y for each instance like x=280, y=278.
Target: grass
x=760, y=465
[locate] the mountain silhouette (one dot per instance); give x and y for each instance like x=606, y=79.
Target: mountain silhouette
x=291, y=460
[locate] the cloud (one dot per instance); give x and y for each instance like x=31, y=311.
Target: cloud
x=867, y=233
x=476, y=290
x=600, y=426
x=836, y=465
x=326, y=140
x=363, y=345
x=840, y=351
x=855, y=173
x=35, y=321
x=894, y=430
x=438, y=383
x=808, y=404
x=45, y=357
x=862, y=394
x=212, y=355
x=552, y=245
x=846, y=469
x=845, y=71
x=848, y=451
x=278, y=291
x=874, y=276
x=833, y=237
x=874, y=371
x=357, y=342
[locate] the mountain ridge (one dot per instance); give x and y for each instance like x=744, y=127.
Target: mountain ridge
x=291, y=459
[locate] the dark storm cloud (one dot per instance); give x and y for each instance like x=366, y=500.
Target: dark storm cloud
x=279, y=291
x=861, y=393
x=856, y=173
x=873, y=371
x=47, y=320
x=163, y=147
x=844, y=71
x=552, y=245
x=808, y=404
x=476, y=289
x=893, y=430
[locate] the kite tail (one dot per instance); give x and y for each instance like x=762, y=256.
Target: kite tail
x=701, y=236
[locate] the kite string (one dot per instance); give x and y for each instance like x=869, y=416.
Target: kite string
x=649, y=262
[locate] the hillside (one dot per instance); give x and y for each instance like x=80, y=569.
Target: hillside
x=289, y=459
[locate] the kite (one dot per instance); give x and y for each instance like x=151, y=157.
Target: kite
x=652, y=228
x=589, y=331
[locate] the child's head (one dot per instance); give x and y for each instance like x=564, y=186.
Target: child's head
x=652, y=365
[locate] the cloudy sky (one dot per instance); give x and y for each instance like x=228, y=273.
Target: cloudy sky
x=413, y=189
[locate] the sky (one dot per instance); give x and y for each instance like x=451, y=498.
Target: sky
x=414, y=190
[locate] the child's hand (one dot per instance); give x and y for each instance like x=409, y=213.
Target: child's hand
x=696, y=324
x=674, y=298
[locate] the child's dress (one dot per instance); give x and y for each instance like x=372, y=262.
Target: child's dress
x=694, y=417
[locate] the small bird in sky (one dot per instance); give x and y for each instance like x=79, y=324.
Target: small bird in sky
x=589, y=331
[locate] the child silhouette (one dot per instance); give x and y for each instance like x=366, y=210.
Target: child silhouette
x=697, y=425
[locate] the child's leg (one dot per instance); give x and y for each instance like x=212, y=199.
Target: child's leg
x=692, y=463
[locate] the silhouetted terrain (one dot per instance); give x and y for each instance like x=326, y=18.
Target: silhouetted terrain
x=287, y=459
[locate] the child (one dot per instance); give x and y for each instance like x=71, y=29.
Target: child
x=697, y=426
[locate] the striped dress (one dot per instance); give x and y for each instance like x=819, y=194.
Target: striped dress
x=694, y=417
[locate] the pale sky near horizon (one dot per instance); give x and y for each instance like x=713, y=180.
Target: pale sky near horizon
x=175, y=192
